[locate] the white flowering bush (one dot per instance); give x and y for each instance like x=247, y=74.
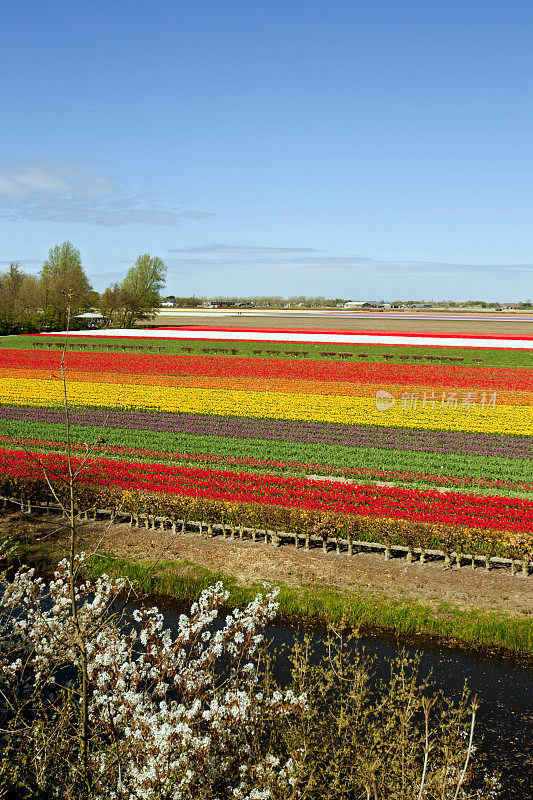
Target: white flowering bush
x=170, y=716
x=98, y=705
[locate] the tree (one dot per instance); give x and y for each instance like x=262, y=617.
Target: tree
x=195, y=712
x=124, y=304
x=146, y=279
x=122, y=307
x=187, y=302
x=64, y=284
x=20, y=310
x=110, y=303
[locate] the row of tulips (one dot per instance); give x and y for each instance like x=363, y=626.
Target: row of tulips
x=211, y=511
x=419, y=393
x=479, y=378
x=452, y=509
x=480, y=470
x=504, y=419
x=314, y=433
x=262, y=464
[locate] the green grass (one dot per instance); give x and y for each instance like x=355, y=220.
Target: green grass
x=375, y=353
x=183, y=581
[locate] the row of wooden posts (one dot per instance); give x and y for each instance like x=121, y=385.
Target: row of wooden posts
x=140, y=348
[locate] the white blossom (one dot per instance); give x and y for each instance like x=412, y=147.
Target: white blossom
x=154, y=694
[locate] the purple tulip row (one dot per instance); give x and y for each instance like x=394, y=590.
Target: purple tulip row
x=430, y=441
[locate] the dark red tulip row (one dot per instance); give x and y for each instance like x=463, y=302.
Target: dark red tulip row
x=489, y=512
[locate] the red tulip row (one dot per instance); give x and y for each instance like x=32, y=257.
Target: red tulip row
x=454, y=509
x=310, y=467
x=386, y=374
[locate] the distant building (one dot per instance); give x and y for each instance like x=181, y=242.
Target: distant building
x=93, y=319
x=364, y=304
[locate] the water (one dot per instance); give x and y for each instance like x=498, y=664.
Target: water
x=504, y=687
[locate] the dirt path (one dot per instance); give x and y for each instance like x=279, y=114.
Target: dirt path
x=431, y=584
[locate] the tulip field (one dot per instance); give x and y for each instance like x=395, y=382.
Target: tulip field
x=436, y=454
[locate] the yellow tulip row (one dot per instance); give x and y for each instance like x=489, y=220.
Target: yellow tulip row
x=506, y=419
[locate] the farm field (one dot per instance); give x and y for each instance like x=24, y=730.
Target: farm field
x=309, y=319
x=419, y=446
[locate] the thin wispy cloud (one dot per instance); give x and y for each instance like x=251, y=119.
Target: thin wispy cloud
x=355, y=276
x=216, y=247
x=61, y=190
x=288, y=258
x=360, y=263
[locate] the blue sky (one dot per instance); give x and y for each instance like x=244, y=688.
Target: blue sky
x=363, y=149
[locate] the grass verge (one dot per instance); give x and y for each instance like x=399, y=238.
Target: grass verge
x=183, y=581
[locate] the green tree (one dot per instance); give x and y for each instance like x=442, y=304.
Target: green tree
x=124, y=304
x=121, y=307
x=146, y=279
x=20, y=301
x=10, y=286
x=64, y=284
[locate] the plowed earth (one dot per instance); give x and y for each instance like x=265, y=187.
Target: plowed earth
x=431, y=584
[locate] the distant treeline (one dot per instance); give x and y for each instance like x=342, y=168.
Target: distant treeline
x=259, y=301
x=303, y=301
